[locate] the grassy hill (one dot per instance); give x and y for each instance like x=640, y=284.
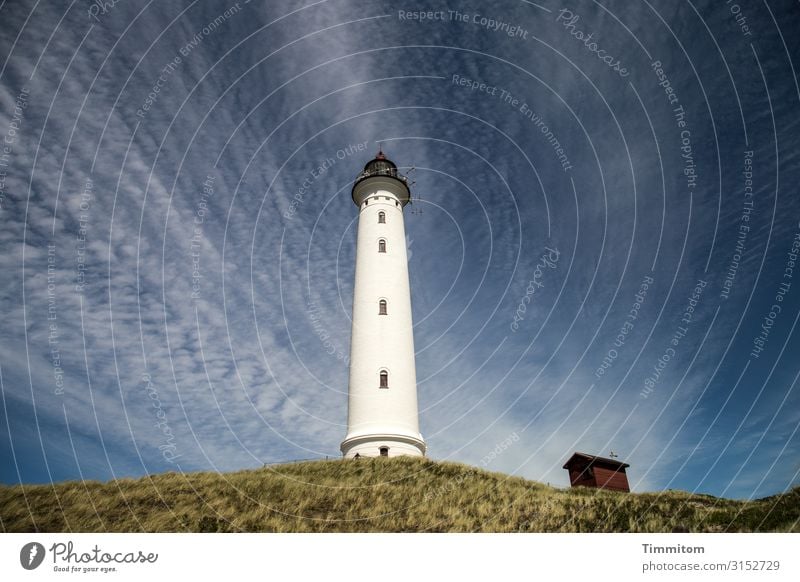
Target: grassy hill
x=373, y=495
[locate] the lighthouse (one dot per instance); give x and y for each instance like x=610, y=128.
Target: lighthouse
x=382, y=415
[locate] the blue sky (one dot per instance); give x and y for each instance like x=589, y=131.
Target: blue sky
x=178, y=239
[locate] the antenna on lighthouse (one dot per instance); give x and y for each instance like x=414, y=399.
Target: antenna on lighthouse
x=416, y=209
x=414, y=197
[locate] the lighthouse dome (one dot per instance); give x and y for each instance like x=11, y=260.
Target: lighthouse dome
x=380, y=173
x=381, y=166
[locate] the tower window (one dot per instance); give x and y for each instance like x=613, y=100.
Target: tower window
x=384, y=379
x=384, y=451
x=366, y=201
x=382, y=217
x=381, y=246
x=382, y=307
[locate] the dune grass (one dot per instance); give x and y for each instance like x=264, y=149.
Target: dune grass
x=373, y=495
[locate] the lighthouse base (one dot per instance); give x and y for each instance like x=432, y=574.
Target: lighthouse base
x=382, y=445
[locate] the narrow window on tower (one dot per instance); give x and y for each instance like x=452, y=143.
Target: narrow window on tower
x=382, y=307
x=384, y=379
x=382, y=217
x=381, y=246
x=384, y=451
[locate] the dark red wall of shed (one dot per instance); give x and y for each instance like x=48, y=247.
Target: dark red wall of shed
x=576, y=480
x=610, y=479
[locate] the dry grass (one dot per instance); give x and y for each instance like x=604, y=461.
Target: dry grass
x=373, y=495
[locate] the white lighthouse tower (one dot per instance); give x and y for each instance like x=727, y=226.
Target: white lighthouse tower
x=382, y=415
